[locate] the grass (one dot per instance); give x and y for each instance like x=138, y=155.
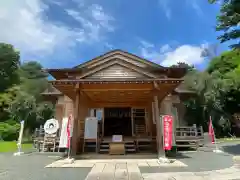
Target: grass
x=228, y=140
x=11, y=146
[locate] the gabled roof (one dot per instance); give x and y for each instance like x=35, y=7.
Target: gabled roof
x=128, y=58
x=122, y=53
x=116, y=62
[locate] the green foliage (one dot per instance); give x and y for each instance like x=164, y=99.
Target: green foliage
x=20, y=93
x=217, y=92
x=228, y=21
x=45, y=111
x=225, y=63
x=25, y=107
x=9, y=63
x=9, y=130
x=33, y=78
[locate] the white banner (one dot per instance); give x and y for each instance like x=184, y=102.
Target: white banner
x=20, y=136
x=63, y=137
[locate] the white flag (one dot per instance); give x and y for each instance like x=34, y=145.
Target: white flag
x=63, y=137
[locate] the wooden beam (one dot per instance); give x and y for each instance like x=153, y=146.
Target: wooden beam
x=112, y=89
x=118, y=104
x=118, y=86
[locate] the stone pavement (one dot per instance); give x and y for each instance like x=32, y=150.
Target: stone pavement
x=114, y=168
x=198, y=166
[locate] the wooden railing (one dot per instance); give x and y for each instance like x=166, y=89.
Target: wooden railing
x=189, y=136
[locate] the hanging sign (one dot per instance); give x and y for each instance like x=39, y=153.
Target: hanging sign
x=167, y=131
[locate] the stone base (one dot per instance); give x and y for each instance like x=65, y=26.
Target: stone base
x=18, y=153
x=217, y=151
x=164, y=160
x=69, y=160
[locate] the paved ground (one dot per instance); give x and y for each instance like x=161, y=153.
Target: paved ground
x=204, y=165
x=31, y=167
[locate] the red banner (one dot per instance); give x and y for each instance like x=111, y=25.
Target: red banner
x=69, y=130
x=211, y=131
x=167, y=131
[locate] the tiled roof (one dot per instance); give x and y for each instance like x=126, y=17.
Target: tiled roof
x=51, y=90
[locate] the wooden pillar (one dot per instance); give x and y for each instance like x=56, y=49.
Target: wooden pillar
x=75, y=123
x=167, y=104
x=158, y=128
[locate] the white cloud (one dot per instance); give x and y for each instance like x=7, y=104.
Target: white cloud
x=109, y=46
x=167, y=55
x=164, y=4
x=25, y=25
x=195, y=4
x=93, y=20
x=100, y=16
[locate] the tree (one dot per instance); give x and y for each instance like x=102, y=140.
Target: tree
x=228, y=68
x=183, y=65
x=225, y=63
x=9, y=63
x=5, y=98
x=217, y=92
x=25, y=107
x=33, y=79
x=228, y=21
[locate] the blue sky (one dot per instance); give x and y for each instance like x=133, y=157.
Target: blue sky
x=66, y=33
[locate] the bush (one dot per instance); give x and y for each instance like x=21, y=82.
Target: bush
x=9, y=130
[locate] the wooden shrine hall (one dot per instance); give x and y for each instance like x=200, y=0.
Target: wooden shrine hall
x=125, y=93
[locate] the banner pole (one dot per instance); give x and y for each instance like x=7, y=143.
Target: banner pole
x=69, y=148
x=162, y=124
x=217, y=150
x=69, y=134
x=19, y=144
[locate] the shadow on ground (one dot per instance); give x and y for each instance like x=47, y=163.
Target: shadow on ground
x=233, y=149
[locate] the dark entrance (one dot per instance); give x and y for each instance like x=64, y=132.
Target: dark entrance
x=117, y=121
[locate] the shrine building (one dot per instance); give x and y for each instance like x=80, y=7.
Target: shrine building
x=125, y=92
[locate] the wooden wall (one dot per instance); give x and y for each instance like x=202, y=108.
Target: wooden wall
x=65, y=106
x=116, y=71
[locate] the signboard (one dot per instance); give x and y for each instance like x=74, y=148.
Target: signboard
x=91, y=128
x=167, y=131
x=117, y=138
